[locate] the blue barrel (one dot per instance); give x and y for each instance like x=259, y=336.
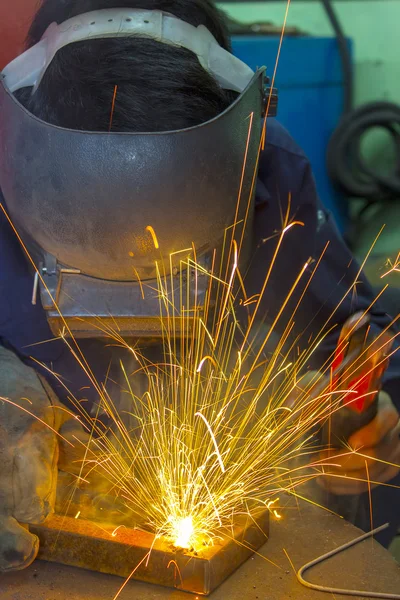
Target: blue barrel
x=309, y=81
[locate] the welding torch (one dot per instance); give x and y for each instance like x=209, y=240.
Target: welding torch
x=359, y=363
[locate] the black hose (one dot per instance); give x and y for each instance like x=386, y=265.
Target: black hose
x=345, y=56
x=346, y=165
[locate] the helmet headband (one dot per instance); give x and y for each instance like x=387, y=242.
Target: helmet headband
x=28, y=69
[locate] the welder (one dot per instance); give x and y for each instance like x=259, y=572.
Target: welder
x=125, y=114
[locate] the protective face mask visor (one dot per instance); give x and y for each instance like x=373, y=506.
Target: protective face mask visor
x=101, y=213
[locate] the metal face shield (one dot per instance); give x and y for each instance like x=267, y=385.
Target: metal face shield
x=98, y=210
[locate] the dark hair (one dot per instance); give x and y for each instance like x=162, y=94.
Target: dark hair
x=159, y=87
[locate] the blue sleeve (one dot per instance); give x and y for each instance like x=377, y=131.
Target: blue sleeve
x=331, y=297
x=337, y=274
x=23, y=326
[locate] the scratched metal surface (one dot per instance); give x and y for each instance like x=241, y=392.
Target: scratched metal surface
x=305, y=532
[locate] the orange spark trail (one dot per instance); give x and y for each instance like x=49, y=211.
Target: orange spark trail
x=153, y=235
x=112, y=108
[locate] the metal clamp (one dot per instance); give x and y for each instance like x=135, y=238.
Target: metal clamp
x=270, y=100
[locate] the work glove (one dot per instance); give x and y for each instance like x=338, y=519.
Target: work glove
x=371, y=455
x=29, y=418
x=376, y=458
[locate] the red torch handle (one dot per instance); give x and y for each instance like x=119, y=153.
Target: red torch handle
x=366, y=360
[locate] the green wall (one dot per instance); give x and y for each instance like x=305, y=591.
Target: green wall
x=373, y=25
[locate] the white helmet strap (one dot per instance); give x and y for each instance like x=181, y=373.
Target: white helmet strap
x=27, y=70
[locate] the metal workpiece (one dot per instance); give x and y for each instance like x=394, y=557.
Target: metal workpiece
x=132, y=552
x=304, y=533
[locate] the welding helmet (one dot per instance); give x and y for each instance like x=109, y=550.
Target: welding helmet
x=98, y=210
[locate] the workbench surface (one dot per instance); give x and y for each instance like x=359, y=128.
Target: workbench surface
x=304, y=532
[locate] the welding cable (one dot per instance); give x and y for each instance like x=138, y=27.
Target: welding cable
x=343, y=592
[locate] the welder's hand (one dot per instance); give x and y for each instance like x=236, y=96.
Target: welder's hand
x=373, y=454
x=28, y=459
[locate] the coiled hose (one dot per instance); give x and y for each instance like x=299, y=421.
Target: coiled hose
x=346, y=166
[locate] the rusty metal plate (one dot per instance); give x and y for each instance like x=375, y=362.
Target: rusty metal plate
x=131, y=552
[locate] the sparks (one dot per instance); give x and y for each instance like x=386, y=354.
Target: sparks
x=112, y=108
x=198, y=414
x=392, y=266
x=215, y=433
x=153, y=235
